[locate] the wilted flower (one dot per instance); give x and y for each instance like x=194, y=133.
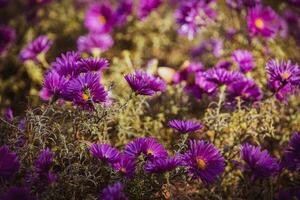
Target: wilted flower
x=203, y=161
x=185, y=126
x=9, y=115
x=38, y=46
x=258, y=163
x=113, y=192
x=17, y=193
x=7, y=37
x=125, y=165
x=221, y=76
x=86, y=90
x=94, y=42
x=100, y=18
x=92, y=65
x=105, y=152
x=292, y=153
x=262, y=21
x=9, y=163
x=67, y=65
x=162, y=165
x=244, y=59
x=145, y=84
x=146, y=7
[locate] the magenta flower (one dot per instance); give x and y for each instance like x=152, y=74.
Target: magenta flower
x=67, y=65
x=94, y=43
x=92, y=65
x=244, y=59
x=124, y=9
x=185, y=126
x=105, y=153
x=145, y=84
x=258, y=163
x=262, y=21
x=239, y=4
x=221, y=76
x=162, y=165
x=113, y=192
x=38, y=46
x=291, y=158
x=20, y=193
x=100, y=18
x=86, y=90
x=7, y=37
x=135, y=147
x=213, y=46
x=146, y=7
x=9, y=163
x=203, y=161
x=188, y=72
x=125, y=165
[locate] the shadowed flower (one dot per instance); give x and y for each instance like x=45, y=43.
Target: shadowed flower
x=224, y=64
x=262, y=21
x=7, y=37
x=221, y=76
x=239, y=4
x=258, y=163
x=100, y=18
x=8, y=115
x=203, y=161
x=86, y=90
x=92, y=65
x=124, y=9
x=214, y=46
x=185, y=126
x=40, y=45
x=18, y=193
x=191, y=16
x=291, y=158
x=145, y=84
x=146, y=7
x=105, y=153
x=244, y=59
x=94, y=43
x=53, y=86
x=113, y=192
x=125, y=165
x=9, y=163
x=67, y=65
x=38, y=2
x=162, y=165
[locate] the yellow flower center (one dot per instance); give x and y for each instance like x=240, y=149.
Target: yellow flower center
x=102, y=19
x=123, y=170
x=150, y=152
x=285, y=75
x=259, y=23
x=201, y=163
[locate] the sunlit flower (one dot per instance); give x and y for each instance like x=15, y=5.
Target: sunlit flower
x=93, y=43
x=135, y=147
x=7, y=37
x=105, y=153
x=221, y=76
x=183, y=126
x=92, y=65
x=203, y=161
x=9, y=163
x=244, y=59
x=113, y=192
x=125, y=165
x=146, y=7
x=292, y=153
x=162, y=165
x=152, y=149
x=67, y=65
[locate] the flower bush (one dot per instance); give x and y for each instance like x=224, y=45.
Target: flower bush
x=149, y=99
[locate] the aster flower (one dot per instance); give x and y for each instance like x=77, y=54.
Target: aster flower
x=40, y=45
x=239, y=4
x=124, y=9
x=185, y=126
x=125, y=165
x=162, y=165
x=105, y=153
x=86, y=90
x=8, y=115
x=247, y=90
x=146, y=7
x=135, y=147
x=203, y=161
x=94, y=43
x=67, y=65
x=187, y=72
x=221, y=76
x=100, y=18
x=224, y=64
x=20, y=193
x=7, y=37
x=145, y=84
x=191, y=16
x=92, y=65
x=9, y=163
x=214, y=46
x=292, y=153
x=113, y=192
x=262, y=21
x=54, y=84
x=258, y=163
x=244, y=59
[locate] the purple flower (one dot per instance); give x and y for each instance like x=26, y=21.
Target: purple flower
x=221, y=76
x=44, y=161
x=125, y=165
x=135, y=147
x=239, y=4
x=145, y=84
x=38, y=46
x=113, y=192
x=204, y=84
x=262, y=21
x=7, y=37
x=185, y=126
x=17, y=193
x=67, y=65
x=258, y=163
x=38, y=2
x=224, y=64
x=100, y=18
x=105, y=153
x=292, y=153
x=204, y=161
x=9, y=163
x=187, y=72
x=54, y=85
x=191, y=16
x=247, y=90
x=214, y=46
x=162, y=165
x=124, y=9
x=92, y=65
x=8, y=115
x=86, y=90
x=146, y=7
x=244, y=59
x=94, y=43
